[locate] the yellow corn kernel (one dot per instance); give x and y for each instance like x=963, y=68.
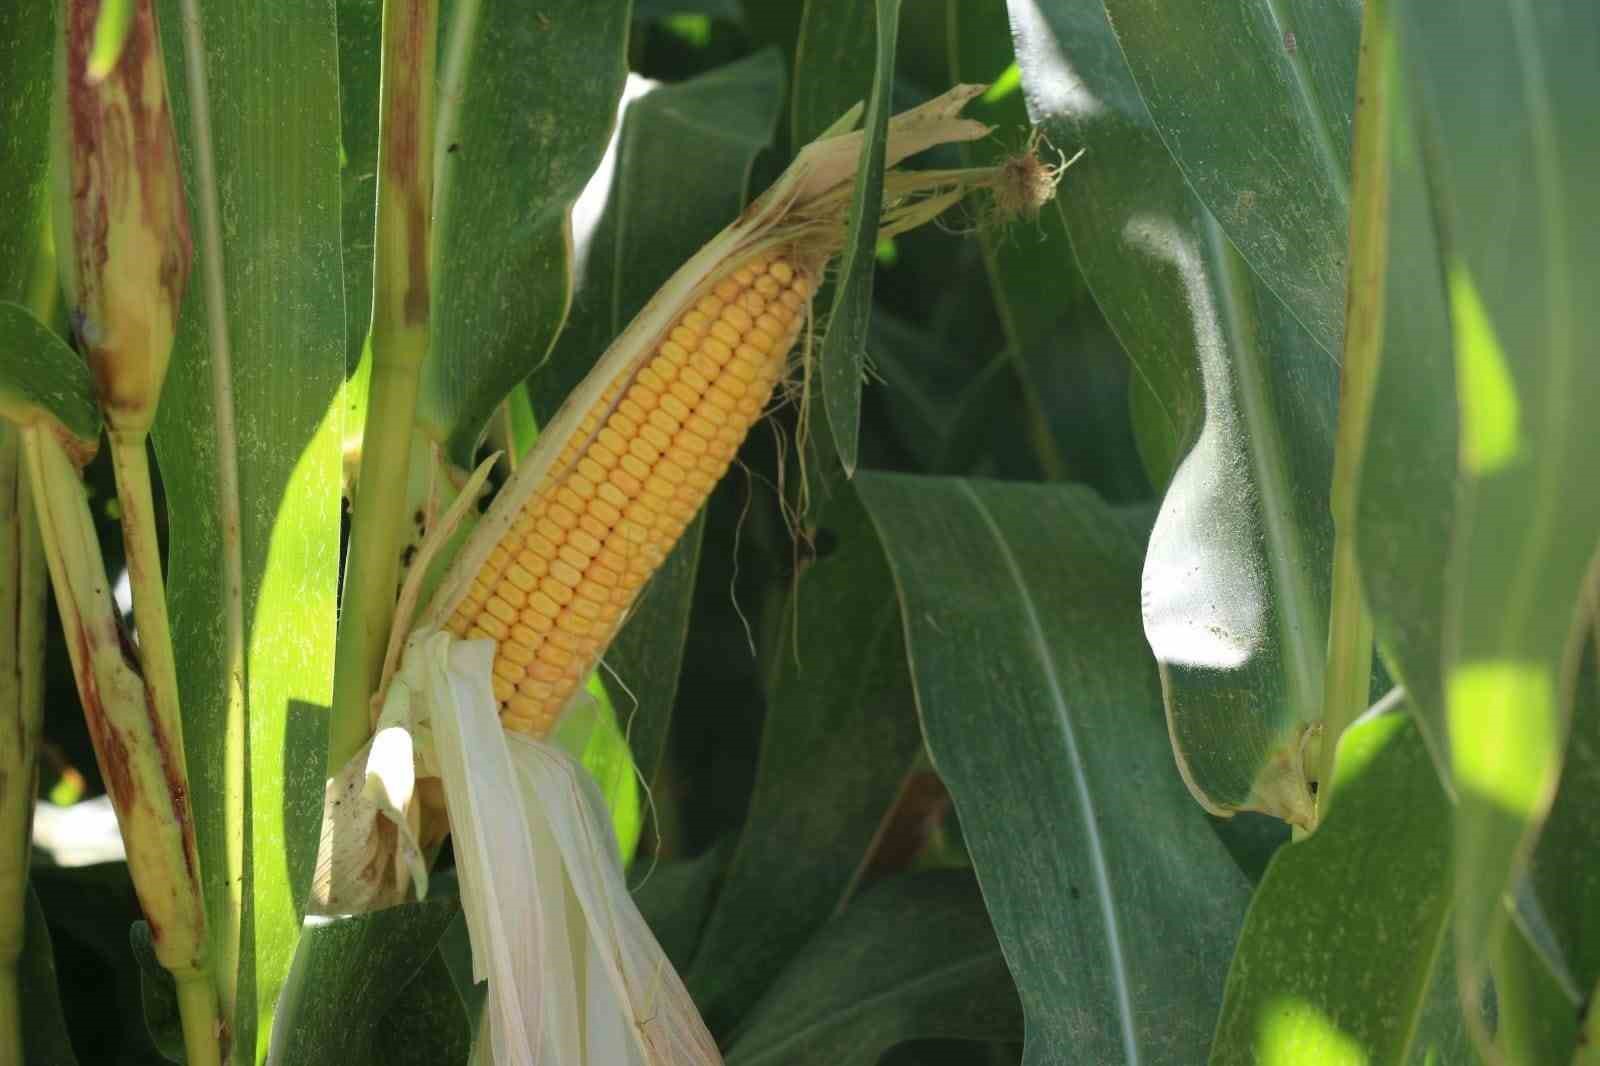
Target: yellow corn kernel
x=625, y=485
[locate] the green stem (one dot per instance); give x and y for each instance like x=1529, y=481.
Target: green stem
x=1350, y=639
x=10, y=1015
x=20, y=664
x=197, y=1012
x=401, y=292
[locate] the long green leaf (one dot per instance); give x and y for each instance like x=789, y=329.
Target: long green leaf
x=840, y=737
x=348, y=976
x=1255, y=99
x=427, y=1025
x=833, y=64
x=1035, y=280
x=1538, y=1020
x=262, y=168
x=1407, y=504
x=1236, y=577
x=45, y=1036
x=41, y=377
x=1030, y=263
x=1564, y=878
x=913, y=958
x=527, y=100
x=684, y=162
x=676, y=897
x=1116, y=905
x=1345, y=933
x=1507, y=91
x=27, y=70
x=91, y=911
x=843, y=359
x=360, y=48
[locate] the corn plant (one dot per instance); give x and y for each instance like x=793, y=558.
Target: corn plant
x=798, y=531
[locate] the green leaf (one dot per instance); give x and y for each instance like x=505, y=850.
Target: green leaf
x=1116, y=905
x=1407, y=506
x=41, y=377
x=834, y=64
x=843, y=360
x=44, y=1027
x=914, y=957
x=265, y=305
x=91, y=910
x=1236, y=578
x=1031, y=269
x=1072, y=374
x=360, y=44
x=588, y=732
x=428, y=1023
x=684, y=161
x=349, y=976
x=1255, y=100
x=159, y=994
x=1538, y=1020
x=676, y=897
x=1307, y=985
x=527, y=100
x=661, y=9
x=839, y=739
x=1564, y=877
x=455, y=951
x=27, y=70
x=1506, y=93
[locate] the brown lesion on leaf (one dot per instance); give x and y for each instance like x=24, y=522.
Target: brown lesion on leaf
x=125, y=187
x=110, y=747
x=173, y=774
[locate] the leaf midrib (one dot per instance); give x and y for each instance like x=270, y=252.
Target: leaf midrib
x=1300, y=626
x=1096, y=847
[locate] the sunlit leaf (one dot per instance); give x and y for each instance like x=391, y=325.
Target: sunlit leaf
x=261, y=165
x=1255, y=100
x=1303, y=987
x=1504, y=97
x=527, y=100
x=1235, y=580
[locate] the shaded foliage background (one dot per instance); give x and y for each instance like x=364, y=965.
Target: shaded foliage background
x=912, y=795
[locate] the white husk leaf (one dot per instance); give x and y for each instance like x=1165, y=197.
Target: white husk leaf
x=575, y=976
x=368, y=856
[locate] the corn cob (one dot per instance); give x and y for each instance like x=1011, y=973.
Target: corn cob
x=554, y=566
x=644, y=458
